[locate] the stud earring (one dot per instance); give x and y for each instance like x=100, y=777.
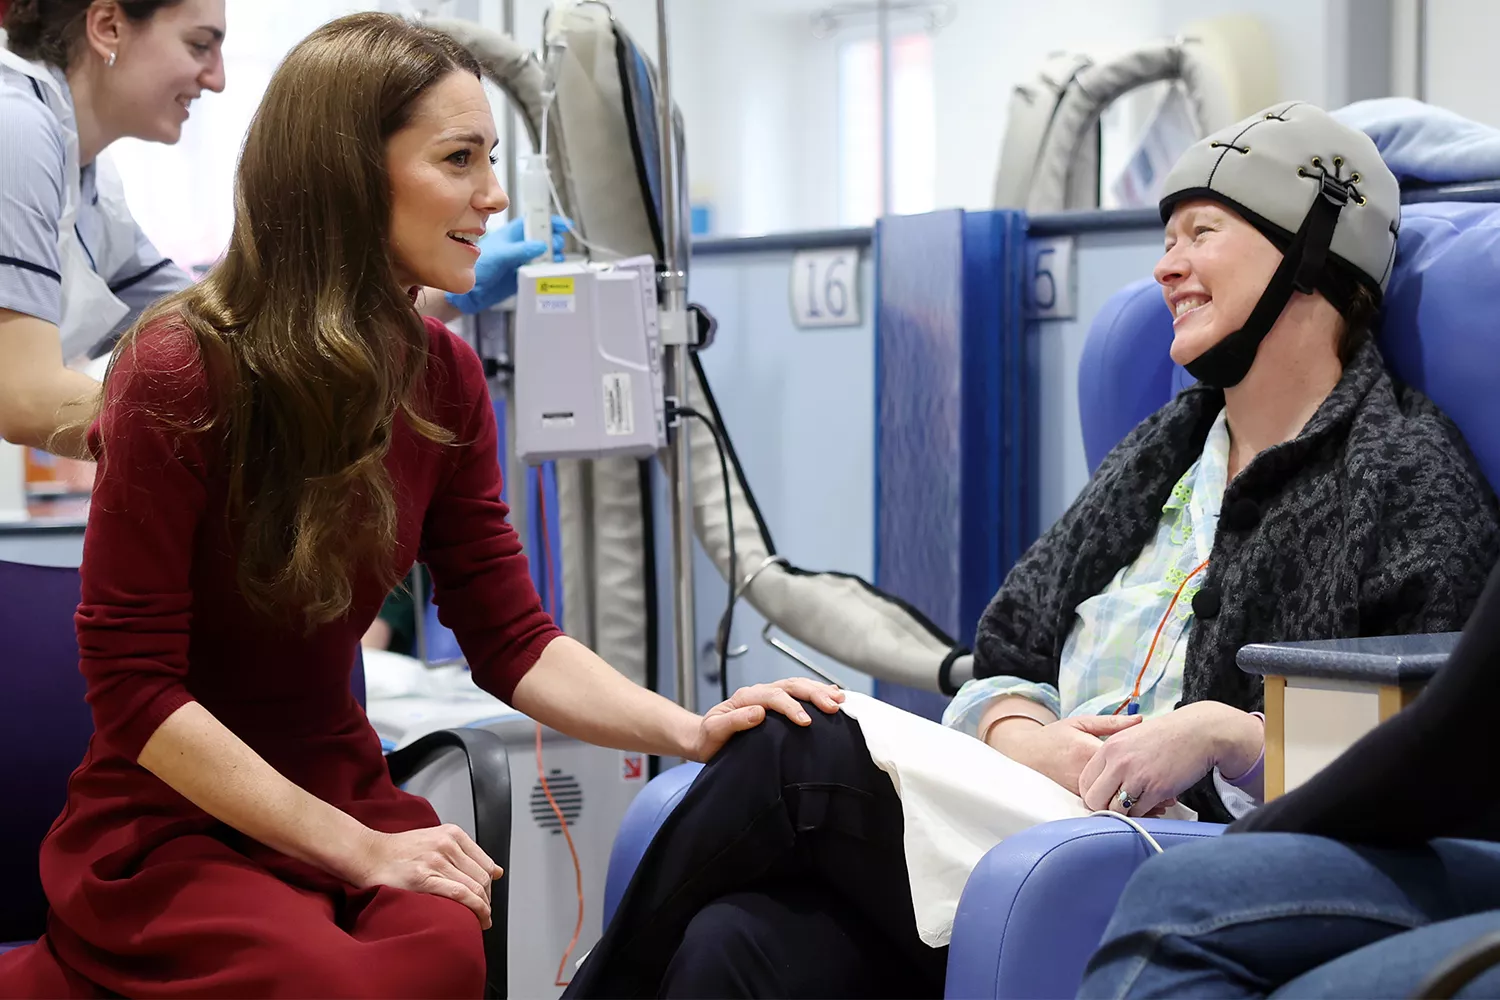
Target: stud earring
x=110, y=61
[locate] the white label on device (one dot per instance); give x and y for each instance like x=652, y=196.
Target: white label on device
x=619, y=405
x=555, y=295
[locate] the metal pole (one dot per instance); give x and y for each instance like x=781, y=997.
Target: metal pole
x=1421, y=33
x=675, y=339
x=515, y=469
x=887, y=149
x=508, y=25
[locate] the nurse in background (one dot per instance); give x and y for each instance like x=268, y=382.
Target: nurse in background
x=75, y=269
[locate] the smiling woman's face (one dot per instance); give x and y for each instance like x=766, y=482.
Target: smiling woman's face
x=1214, y=270
x=443, y=185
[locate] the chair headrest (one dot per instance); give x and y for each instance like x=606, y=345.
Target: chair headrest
x=1438, y=333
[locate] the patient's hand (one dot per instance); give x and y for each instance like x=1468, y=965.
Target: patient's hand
x=1062, y=749
x=1165, y=756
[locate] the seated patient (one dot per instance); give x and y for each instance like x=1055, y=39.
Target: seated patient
x=277, y=445
x=1295, y=492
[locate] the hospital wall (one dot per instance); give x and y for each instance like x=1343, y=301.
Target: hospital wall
x=760, y=95
x=760, y=92
x=799, y=406
x=1462, y=73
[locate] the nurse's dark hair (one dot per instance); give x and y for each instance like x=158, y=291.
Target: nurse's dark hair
x=313, y=349
x=47, y=30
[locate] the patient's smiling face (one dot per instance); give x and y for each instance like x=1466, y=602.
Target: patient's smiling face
x=1214, y=270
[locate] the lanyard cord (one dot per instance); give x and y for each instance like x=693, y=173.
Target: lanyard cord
x=1133, y=702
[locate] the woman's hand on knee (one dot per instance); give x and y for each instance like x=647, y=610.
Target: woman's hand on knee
x=440, y=861
x=747, y=708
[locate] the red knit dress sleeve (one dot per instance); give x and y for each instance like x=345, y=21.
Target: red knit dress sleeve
x=481, y=580
x=149, y=494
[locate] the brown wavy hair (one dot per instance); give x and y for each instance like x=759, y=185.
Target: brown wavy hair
x=311, y=345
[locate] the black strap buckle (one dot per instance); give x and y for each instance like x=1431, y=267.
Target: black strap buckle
x=1334, y=190
x=1316, y=235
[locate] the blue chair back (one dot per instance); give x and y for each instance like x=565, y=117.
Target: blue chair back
x=44, y=729
x=45, y=726
x=1438, y=334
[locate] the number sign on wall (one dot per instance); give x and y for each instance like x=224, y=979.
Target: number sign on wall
x=825, y=288
x=1049, y=279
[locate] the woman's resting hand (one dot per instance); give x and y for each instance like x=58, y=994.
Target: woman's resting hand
x=440, y=860
x=747, y=708
x=1163, y=757
x=1060, y=750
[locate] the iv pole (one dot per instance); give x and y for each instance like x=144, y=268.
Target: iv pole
x=675, y=339
x=516, y=476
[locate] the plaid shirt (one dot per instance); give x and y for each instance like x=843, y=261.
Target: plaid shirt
x=1112, y=633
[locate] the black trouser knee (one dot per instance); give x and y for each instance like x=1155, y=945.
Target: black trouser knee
x=780, y=803
x=784, y=941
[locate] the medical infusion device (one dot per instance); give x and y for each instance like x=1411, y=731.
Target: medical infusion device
x=536, y=198
x=587, y=335
x=587, y=339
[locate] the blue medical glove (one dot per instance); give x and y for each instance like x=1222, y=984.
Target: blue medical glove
x=501, y=254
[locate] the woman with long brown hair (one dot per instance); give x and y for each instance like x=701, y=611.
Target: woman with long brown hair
x=278, y=444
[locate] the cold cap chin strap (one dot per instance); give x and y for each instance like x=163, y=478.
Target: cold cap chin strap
x=1226, y=363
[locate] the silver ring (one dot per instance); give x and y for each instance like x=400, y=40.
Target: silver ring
x=1126, y=802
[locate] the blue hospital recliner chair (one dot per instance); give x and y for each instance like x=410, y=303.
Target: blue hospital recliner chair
x=1036, y=906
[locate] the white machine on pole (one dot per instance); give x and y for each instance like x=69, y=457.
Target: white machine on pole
x=587, y=342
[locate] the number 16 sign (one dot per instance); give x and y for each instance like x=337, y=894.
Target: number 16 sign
x=825, y=288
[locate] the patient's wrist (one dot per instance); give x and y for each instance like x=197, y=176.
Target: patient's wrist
x=1002, y=730
x=1243, y=755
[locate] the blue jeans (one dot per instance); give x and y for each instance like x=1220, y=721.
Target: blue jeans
x=1253, y=915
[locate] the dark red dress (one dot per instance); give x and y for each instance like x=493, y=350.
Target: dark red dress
x=149, y=895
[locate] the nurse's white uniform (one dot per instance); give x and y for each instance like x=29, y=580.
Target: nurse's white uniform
x=91, y=310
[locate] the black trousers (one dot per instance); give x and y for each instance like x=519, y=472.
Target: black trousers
x=780, y=874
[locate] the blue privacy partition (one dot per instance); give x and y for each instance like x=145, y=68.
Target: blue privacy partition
x=954, y=389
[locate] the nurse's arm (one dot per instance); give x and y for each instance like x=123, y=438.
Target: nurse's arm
x=38, y=393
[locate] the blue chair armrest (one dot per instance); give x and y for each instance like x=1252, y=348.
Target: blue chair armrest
x=644, y=817
x=1035, y=908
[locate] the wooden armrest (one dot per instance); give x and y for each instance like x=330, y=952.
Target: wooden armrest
x=1322, y=696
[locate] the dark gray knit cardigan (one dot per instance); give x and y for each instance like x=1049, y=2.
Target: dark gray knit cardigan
x=1375, y=520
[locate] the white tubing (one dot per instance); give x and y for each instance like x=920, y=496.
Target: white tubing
x=1130, y=822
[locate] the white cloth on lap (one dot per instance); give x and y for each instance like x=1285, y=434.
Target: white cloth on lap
x=959, y=798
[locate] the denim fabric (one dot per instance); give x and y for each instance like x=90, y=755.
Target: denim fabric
x=1286, y=914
